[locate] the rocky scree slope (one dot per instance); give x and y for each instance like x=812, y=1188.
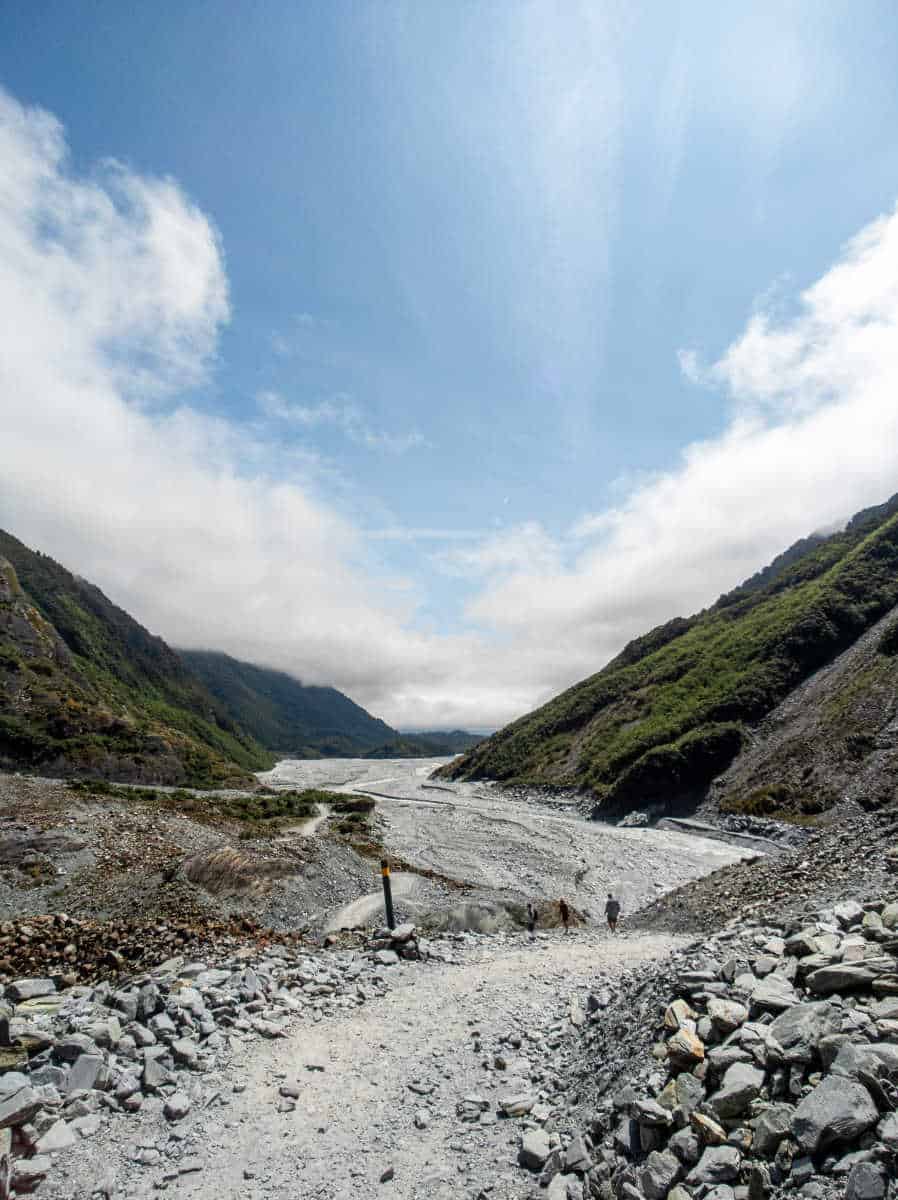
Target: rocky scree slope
x=85, y=689
x=834, y=737
x=761, y=1062
x=672, y=711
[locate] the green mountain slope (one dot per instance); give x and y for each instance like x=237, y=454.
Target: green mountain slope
x=284, y=714
x=671, y=711
x=85, y=689
x=302, y=721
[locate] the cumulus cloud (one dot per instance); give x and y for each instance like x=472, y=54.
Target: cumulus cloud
x=112, y=293
x=112, y=296
x=811, y=439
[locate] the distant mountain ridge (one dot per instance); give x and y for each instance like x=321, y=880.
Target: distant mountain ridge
x=284, y=714
x=305, y=721
x=677, y=705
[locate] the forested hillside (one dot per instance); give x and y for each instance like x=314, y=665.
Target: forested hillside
x=84, y=688
x=674, y=708
x=284, y=714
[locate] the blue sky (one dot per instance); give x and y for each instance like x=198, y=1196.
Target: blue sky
x=469, y=281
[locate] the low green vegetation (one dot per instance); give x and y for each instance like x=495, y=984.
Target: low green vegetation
x=672, y=710
x=85, y=689
x=259, y=814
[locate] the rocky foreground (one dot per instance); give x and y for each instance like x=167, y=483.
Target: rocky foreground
x=762, y=1061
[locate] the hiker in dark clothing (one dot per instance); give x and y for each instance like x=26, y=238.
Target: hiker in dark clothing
x=531, y=918
x=612, y=912
x=565, y=914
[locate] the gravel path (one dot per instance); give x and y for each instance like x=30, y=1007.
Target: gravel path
x=355, y=1118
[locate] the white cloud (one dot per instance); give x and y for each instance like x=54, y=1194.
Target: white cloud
x=812, y=439
x=112, y=294
x=341, y=413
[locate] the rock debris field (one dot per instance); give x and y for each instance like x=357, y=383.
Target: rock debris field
x=758, y=1061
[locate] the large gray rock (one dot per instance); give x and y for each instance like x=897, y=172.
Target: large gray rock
x=726, y=1015
x=771, y=1127
x=718, y=1164
x=840, y=977
x=69, y=1048
x=29, y=989
x=177, y=1106
x=659, y=1173
x=185, y=1052
x=58, y=1137
x=576, y=1156
x=838, y=1110
x=796, y=1033
x=866, y=1181
x=19, y=1108
x=517, y=1105
x=686, y=1146
x=855, y=1060
x=848, y=913
x=84, y=1073
x=774, y=993
x=741, y=1084
x=534, y=1150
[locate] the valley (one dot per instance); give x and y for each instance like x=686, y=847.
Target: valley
x=504, y=849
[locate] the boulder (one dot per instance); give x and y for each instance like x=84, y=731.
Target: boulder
x=685, y=1048
x=740, y=1086
x=774, y=994
x=659, y=1173
x=840, y=977
x=848, y=913
x=84, y=1072
x=771, y=1127
x=718, y=1164
x=795, y=1034
x=58, y=1137
x=177, y=1106
x=837, y=1110
x=517, y=1105
x=867, y=1181
x=29, y=989
x=726, y=1015
x=535, y=1149
x=19, y=1108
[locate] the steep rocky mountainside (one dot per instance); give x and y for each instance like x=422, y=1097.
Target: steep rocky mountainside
x=674, y=709
x=834, y=738
x=284, y=714
x=85, y=689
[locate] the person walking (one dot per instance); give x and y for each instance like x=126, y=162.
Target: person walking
x=612, y=912
x=531, y=918
x=565, y=913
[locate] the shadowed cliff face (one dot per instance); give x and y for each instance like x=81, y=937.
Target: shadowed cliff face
x=658, y=723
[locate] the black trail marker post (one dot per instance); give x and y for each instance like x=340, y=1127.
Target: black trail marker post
x=388, y=892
